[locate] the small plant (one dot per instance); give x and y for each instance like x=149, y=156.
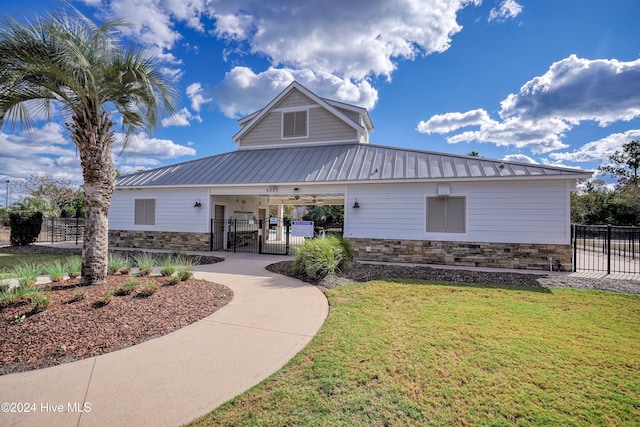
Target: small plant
x=149, y=289
x=145, y=263
x=17, y=294
x=184, y=273
x=39, y=300
x=63, y=348
x=317, y=258
x=19, y=319
x=107, y=297
x=56, y=271
x=178, y=257
x=80, y=294
x=118, y=264
x=26, y=273
x=74, y=266
x=168, y=267
x=4, y=286
x=128, y=287
x=173, y=280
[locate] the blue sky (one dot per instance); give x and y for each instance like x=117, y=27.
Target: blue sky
x=546, y=81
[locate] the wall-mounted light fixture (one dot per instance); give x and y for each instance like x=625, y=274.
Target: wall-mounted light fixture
x=356, y=205
x=197, y=204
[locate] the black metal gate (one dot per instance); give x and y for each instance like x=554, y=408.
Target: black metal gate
x=61, y=230
x=606, y=249
x=269, y=236
x=262, y=236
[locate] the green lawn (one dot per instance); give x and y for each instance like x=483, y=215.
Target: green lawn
x=8, y=261
x=393, y=353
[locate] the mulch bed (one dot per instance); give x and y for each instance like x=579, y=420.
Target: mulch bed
x=74, y=328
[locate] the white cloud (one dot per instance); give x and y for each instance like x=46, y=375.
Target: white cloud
x=143, y=145
x=449, y=122
x=519, y=158
x=180, y=118
x=538, y=117
x=508, y=9
x=195, y=94
x=600, y=149
x=242, y=91
x=576, y=89
x=332, y=37
x=40, y=150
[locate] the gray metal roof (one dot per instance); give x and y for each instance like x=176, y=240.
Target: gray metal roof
x=337, y=163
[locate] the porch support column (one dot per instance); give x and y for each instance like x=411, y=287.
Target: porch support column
x=280, y=228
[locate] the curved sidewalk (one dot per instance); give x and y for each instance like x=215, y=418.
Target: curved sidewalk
x=176, y=378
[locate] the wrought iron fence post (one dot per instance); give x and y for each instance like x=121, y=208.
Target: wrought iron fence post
x=260, y=236
x=52, y=229
x=235, y=236
x=574, y=232
x=211, y=236
x=608, y=249
x=287, y=229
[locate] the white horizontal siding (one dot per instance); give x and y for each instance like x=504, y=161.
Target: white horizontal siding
x=174, y=210
x=508, y=212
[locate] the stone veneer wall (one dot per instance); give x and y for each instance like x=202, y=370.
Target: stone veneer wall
x=159, y=240
x=467, y=254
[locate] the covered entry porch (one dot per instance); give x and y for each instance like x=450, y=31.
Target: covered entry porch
x=273, y=223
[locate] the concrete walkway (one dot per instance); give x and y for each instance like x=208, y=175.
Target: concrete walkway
x=176, y=378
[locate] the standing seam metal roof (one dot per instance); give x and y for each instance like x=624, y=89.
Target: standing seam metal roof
x=335, y=163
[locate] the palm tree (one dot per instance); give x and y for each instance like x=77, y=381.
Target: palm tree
x=67, y=61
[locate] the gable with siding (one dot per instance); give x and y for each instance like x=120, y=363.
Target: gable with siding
x=329, y=122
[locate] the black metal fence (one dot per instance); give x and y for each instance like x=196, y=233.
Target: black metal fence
x=606, y=249
x=263, y=236
x=61, y=230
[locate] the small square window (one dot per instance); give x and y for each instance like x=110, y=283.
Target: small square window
x=145, y=212
x=294, y=124
x=446, y=214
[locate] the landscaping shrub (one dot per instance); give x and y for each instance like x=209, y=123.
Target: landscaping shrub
x=25, y=227
x=317, y=258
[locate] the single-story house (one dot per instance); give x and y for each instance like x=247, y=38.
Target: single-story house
x=401, y=205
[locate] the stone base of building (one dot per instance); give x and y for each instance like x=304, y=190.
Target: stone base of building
x=159, y=240
x=465, y=254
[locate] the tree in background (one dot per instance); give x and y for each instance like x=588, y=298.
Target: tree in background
x=67, y=61
x=36, y=204
x=597, y=204
x=58, y=192
x=625, y=164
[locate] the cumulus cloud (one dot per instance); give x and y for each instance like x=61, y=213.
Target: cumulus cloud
x=507, y=9
x=143, y=145
x=599, y=149
x=519, y=158
x=45, y=149
x=445, y=123
x=332, y=37
x=576, y=89
x=195, y=92
x=180, y=118
x=538, y=117
x=242, y=91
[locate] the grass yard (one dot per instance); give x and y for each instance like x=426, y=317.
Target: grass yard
x=8, y=261
x=415, y=353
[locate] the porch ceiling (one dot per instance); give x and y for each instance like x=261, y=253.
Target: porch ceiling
x=307, y=199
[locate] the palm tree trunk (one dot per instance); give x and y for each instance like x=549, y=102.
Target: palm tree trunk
x=93, y=135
